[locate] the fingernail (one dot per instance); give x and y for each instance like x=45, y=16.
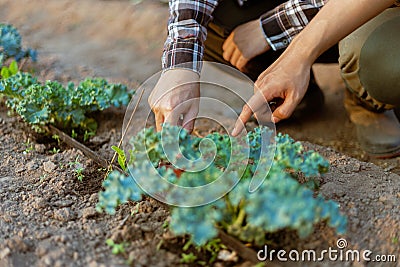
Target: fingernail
x=234, y=131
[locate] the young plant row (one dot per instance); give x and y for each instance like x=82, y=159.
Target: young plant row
x=67, y=107
x=286, y=199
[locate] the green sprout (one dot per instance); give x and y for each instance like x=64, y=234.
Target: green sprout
x=28, y=147
x=116, y=248
x=78, y=169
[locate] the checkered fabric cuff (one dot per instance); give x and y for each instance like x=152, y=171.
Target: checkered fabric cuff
x=184, y=53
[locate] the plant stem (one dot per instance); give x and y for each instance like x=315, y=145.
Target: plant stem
x=240, y=218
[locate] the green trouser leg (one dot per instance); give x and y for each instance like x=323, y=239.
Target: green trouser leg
x=370, y=66
x=370, y=61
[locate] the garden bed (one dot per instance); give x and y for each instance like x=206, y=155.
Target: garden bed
x=48, y=217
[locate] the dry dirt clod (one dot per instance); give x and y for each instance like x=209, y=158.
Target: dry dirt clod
x=4, y=253
x=17, y=244
x=39, y=203
x=49, y=166
x=226, y=255
x=20, y=169
x=32, y=165
x=42, y=235
x=63, y=203
x=40, y=148
x=89, y=213
x=64, y=215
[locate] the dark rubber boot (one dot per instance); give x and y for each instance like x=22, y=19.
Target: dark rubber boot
x=377, y=133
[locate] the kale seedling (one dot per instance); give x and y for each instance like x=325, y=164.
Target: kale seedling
x=74, y=134
x=10, y=45
x=7, y=72
x=88, y=134
x=66, y=107
x=116, y=248
x=55, y=150
x=188, y=258
x=121, y=157
x=281, y=202
x=78, y=169
x=28, y=147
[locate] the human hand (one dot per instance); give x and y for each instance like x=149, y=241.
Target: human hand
x=244, y=43
x=176, y=93
x=287, y=79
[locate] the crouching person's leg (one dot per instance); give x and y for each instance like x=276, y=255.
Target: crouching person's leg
x=370, y=66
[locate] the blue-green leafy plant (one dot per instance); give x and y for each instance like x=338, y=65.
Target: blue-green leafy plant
x=53, y=103
x=10, y=45
x=281, y=202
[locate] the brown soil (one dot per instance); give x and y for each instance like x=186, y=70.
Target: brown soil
x=47, y=216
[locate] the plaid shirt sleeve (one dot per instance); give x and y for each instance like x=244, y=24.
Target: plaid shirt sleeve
x=186, y=33
x=284, y=22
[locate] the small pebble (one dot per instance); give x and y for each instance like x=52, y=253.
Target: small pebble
x=49, y=166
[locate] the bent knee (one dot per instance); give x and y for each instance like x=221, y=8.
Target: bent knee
x=379, y=63
x=370, y=59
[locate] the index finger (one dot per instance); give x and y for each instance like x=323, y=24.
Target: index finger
x=254, y=104
x=159, y=120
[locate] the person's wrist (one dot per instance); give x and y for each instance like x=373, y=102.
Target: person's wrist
x=306, y=55
x=181, y=70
